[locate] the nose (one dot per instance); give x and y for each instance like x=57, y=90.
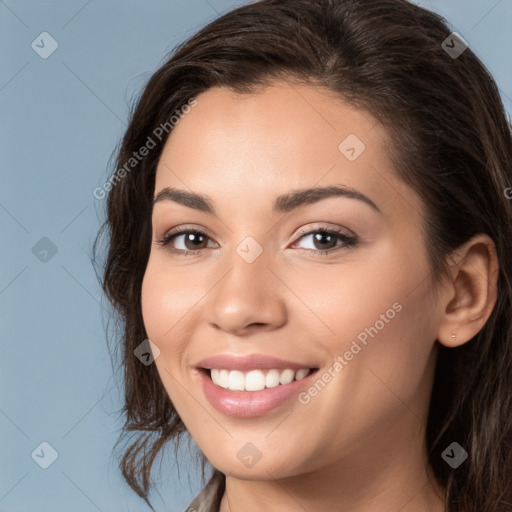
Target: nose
x=248, y=298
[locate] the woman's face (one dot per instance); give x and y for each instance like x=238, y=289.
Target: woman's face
x=262, y=278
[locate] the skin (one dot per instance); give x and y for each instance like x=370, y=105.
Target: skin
x=358, y=445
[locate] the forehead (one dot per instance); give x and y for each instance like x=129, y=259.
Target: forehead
x=281, y=138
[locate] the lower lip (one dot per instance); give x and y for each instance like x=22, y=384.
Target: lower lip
x=246, y=404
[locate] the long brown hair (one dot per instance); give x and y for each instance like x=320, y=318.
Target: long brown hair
x=451, y=143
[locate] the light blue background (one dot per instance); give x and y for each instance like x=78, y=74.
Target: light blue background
x=60, y=120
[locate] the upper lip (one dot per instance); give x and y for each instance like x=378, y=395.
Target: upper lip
x=249, y=362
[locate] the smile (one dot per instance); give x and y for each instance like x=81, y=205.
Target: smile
x=255, y=380
x=244, y=401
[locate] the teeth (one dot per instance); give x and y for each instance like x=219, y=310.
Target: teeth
x=272, y=379
x=236, y=380
x=286, y=376
x=301, y=373
x=255, y=380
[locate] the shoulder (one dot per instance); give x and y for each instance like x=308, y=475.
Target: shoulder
x=210, y=496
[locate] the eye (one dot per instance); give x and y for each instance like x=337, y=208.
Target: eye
x=325, y=240
x=192, y=241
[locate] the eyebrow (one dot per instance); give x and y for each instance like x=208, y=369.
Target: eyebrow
x=283, y=204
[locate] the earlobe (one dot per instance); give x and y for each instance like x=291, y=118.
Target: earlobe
x=471, y=296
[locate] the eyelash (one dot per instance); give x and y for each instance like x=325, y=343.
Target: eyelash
x=349, y=241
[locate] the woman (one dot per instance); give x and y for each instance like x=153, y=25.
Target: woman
x=309, y=238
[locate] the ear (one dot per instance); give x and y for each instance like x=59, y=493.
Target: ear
x=468, y=299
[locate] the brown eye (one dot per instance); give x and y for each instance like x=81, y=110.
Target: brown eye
x=325, y=241
x=185, y=241
x=194, y=240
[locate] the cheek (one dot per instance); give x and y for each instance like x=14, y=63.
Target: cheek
x=379, y=318
x=155, y=307
x=167, y=296
x=341, y=303
x=165, y=303
x=383, y=368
